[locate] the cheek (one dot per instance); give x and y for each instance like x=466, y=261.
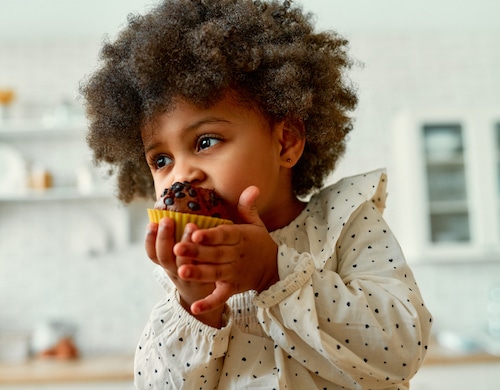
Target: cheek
x=232, y=182
x=231, y=186
x=160, y=184
x=158, y=191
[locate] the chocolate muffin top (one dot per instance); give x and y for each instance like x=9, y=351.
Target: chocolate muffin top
x=186, y=198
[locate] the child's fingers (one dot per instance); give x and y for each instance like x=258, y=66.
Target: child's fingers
x=150, y=241
x=165, y=240
x=220, y=235
x=186, y=252
x=189, y=229
x=247, y=206
x=183, y=250
x=206, y=273
x=231, y=234
x=217, y=298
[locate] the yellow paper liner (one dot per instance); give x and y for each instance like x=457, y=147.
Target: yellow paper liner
x=182, y=219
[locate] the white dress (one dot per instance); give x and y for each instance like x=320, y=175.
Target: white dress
x=346, y=313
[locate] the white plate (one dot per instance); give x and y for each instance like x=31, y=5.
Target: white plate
x=13, y=173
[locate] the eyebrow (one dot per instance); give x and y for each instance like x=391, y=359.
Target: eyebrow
x=201, y=122
x=192, y=127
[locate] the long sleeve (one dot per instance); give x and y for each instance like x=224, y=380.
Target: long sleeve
x=346, y=312
x=360, y=319
x=353, y=315
x=177, y=351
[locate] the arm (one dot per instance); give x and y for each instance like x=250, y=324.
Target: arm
x=177, y=351
x=358, y=316
x=160, y=244
x=177, y=345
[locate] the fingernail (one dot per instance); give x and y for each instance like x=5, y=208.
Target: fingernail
x=151, y=230
x=195, y=310
x=186, y=273
x=187, y=233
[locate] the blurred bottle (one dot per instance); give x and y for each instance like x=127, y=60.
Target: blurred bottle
x=6, y=98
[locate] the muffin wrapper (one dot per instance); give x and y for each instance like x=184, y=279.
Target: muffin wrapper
x=182, y=219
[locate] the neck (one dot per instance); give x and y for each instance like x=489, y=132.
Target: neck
x=283, y=215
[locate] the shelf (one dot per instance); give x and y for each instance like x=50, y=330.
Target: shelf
x=448, y=207
x=34, y=129
x=54, y=194
x=451, y=161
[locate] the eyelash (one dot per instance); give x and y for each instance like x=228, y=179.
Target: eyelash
x=205, y=137
x=153, y=162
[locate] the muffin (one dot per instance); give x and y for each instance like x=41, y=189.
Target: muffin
x=184, y=203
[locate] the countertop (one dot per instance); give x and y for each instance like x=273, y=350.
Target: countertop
x=439, y=355
x=120, y=367
x=85, y=369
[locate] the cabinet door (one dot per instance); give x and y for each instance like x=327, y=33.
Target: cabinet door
x=446, y=181
x=447, y=172
x=497, y=173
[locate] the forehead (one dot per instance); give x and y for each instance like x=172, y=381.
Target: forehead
x=183, y=112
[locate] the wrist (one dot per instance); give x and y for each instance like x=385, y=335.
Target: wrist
x=214, y=318
x=271, y=276
x=268, y=282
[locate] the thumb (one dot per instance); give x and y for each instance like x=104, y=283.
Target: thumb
x=247, y=207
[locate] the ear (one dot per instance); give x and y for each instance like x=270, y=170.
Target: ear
x=292, y=141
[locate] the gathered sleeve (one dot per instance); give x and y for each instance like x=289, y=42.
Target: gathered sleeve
x=176, y=350
x=347, y=307
x=346, y=310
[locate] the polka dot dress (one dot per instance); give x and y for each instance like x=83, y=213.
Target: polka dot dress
x=346, y=313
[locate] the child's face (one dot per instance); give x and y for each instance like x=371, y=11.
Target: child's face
x=226, y=147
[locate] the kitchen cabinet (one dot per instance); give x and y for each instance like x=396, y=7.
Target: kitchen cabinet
x=447, y=173
x=59, y=152
x=59, y=186
x=446, y=183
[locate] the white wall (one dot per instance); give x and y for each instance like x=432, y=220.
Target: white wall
x=93, y=18
x=64, y=19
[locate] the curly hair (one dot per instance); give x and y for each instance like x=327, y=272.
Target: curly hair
x=265, y=51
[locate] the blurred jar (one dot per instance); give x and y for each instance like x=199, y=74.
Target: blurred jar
x=40, y=178
x=14, y=346
x=54, y=339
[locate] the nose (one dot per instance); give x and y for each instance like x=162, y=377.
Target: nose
x=188, y=170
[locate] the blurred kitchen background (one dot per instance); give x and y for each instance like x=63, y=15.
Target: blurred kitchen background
x=72, y=268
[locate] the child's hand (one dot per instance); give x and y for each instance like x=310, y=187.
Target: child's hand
x=236, y=258
x=159, y=248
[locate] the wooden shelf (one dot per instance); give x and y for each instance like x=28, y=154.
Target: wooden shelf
x=85, y=369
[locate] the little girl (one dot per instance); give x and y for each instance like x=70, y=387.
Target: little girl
x=244, y=97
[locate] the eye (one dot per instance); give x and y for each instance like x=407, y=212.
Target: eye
x=162, y=161
x=206, y=141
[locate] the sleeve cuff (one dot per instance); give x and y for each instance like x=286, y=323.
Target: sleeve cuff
x=284, y=288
